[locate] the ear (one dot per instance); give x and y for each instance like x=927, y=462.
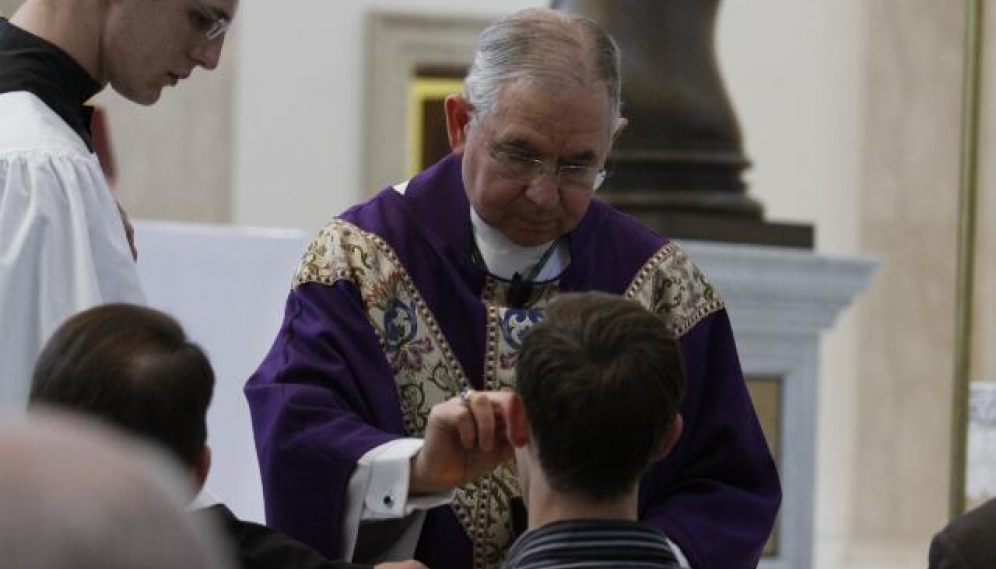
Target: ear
x=670, y=438
x=202, y=467
x=517, y=424
x=458, y=115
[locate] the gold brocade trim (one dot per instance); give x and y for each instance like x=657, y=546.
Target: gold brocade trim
x=484, y=506
x=670, y=285
x=426, y=370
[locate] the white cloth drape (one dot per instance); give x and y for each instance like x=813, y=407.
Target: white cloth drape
x=62, y=242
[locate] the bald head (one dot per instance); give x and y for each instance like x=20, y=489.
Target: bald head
x=74, y=495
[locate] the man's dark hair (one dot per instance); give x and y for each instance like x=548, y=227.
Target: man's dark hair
x=133, y=367
x=601, y=380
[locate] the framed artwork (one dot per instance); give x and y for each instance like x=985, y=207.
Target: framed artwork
x=427, y=138
x=411, y=58
x=766, y=395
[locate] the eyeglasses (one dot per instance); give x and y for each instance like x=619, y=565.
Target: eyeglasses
x=207, y=21
x=518, y=166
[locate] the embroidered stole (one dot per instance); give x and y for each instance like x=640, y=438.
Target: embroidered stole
x=426, y=370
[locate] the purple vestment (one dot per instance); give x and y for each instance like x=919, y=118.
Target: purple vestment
x=389, y=315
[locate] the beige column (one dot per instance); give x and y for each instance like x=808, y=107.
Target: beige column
x=7, y=7
x=909, y=184
x=984, y=340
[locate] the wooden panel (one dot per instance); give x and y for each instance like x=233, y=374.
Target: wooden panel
x=766, y=394
x=427, y=140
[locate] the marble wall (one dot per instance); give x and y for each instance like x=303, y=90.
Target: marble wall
x=910, y=150
x=984, y=361
x=7, y=7
x=981, y=474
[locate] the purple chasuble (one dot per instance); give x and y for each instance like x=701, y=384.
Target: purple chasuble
x=389, y=315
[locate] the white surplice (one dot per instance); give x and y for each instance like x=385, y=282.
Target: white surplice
x=62, y=242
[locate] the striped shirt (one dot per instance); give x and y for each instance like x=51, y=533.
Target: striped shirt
x=591, y=543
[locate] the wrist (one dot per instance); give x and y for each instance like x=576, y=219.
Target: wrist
x=416, y=478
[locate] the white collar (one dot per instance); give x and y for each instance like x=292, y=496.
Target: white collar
x=504, y=258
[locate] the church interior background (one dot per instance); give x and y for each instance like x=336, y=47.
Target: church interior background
x=851, y=113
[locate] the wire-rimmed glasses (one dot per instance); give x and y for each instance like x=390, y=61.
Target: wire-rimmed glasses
x=209, y=22
x=521, y=167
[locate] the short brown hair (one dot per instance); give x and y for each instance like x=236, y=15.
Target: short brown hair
x=601, y=380
x=133, y=367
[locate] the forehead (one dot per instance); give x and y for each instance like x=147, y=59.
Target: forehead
x=559, y=113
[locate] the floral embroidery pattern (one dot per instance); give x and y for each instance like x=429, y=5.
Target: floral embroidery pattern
x=484, y=507
x=427, y=372
x=400, y=325
x=412, y=355
x=670, y=285
x=516, y=323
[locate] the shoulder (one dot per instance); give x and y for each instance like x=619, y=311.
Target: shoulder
x=27, y=125
x=607, y=225
x=645, y=266
x=969, y=523
x=259, y=546
x=966, y=541
x=377, y=240
x=46, y=171
x=343, y=251
x=380, y=213
x=581, y=542
x=671, y=285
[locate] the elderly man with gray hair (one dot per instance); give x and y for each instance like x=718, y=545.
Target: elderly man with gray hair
x=425, y=292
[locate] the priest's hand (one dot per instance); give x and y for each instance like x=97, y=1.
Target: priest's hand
x=464, y=439
x=401, y=565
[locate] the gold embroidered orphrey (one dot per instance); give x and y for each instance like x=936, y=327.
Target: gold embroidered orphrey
x=426, y=370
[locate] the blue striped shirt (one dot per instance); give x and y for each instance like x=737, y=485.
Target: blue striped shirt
x=591, y=543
